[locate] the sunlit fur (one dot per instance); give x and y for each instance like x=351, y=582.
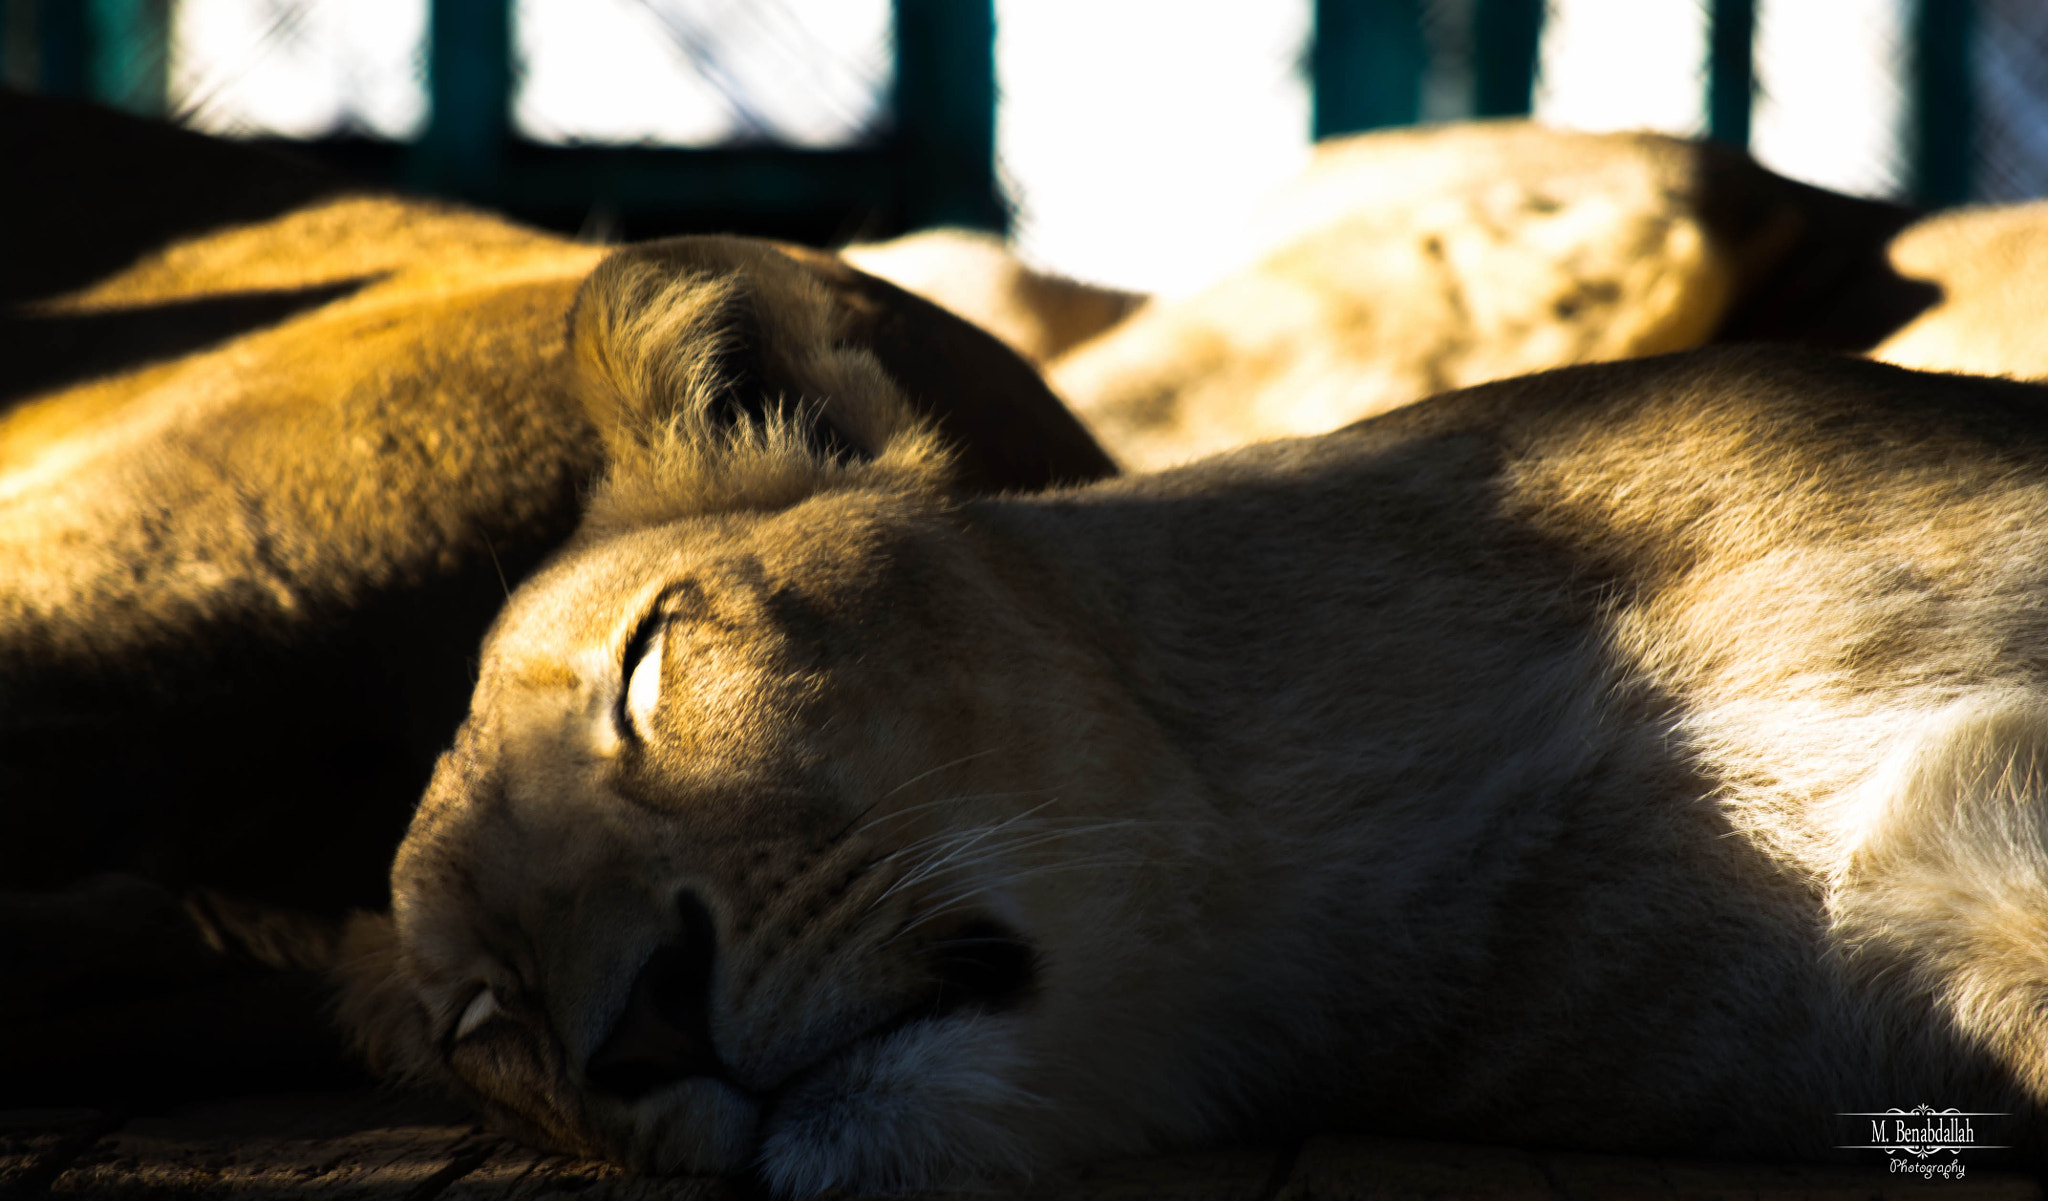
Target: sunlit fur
x=1639, y=757
x=1405, y=262
x=648, y=331
x=1991, y=266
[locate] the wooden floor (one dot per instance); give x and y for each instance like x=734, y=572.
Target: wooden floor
x=371, y=1146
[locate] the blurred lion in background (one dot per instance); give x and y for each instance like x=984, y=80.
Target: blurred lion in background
x=1407, y=262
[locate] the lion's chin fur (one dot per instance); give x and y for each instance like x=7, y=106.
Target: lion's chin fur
x=918, y=1108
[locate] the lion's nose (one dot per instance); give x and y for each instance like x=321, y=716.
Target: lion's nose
x=664, y=1033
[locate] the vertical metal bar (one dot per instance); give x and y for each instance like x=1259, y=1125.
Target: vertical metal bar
x=945, y=97
x=1366, y=63
x=1942, y=143
x=63, y=48
x=129, y=54
x=1505, y=37
x=469, y=85
x=17, y=30
x=1731, y=69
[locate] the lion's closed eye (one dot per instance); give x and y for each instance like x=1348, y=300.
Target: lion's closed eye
x=642, y=673
x=481, y=1009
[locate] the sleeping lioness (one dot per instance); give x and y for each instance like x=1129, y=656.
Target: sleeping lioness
x=272, y=448
x=1645, y=756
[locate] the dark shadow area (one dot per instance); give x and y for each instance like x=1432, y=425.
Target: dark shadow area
x=150, y=1044
x=46, y=350
x=638, y=193
x=90, y=190
x=119, y=993
x=266, y=781
x=1811, y=265
x=282, y=765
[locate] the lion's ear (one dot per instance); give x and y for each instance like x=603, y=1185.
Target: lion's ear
x=692, y=335
x=376, y=1005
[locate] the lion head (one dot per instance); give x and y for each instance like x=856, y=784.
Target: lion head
x=753, y=849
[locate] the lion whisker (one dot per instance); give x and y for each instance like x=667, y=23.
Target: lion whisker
x=947, y=766
x=967, y=840
x=941, y=858
x=937, y=802
x=995, y=853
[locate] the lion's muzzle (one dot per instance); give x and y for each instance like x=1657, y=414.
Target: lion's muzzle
x=664, y=1033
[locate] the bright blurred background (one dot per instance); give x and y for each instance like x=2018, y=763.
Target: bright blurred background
x=1105, y=136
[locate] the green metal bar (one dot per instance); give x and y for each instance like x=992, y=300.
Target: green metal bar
x=1731, y=69
x=112, y=51
x=129, y=54
x=469, y=85
x=1505, y=36
x=63, y=48
x=1943, y=149
x=945, y=99
x=17, y=49
x=1366, y=64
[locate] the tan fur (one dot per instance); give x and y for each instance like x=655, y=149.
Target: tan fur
x=1037, y=314
x=646, y=330
x=366, y=383
x=1991, y=265
x=1409, y=262
x=1639, y=757
x=1406, y=262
